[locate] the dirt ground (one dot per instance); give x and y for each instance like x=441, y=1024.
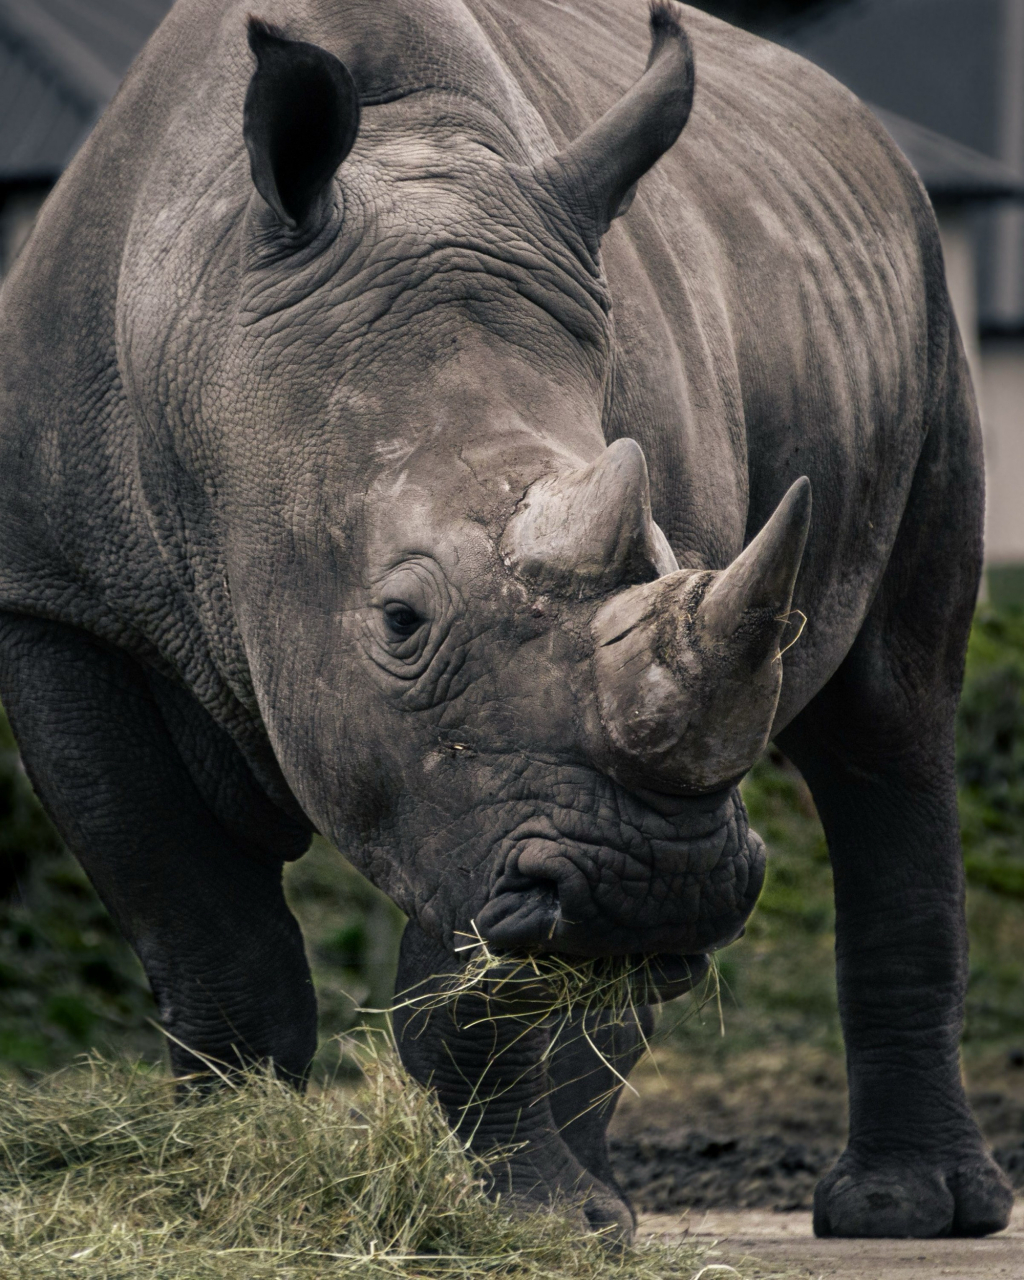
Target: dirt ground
x=783, y=1245
x=758, y=1130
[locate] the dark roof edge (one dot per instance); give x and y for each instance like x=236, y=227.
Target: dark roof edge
x=31, y=174
x=951, y=172
x=30, y=177
x=1005, y=330
x=72, y=64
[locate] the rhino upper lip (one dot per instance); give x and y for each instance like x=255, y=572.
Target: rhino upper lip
x=547, y=873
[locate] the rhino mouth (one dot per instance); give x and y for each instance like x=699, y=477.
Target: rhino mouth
x=529, y=988
x=680, y=897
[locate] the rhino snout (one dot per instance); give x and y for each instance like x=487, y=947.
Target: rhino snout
x=681, y=897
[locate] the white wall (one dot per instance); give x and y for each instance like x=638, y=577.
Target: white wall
x=997, y=366
x=1002, y=398
x=957, y=232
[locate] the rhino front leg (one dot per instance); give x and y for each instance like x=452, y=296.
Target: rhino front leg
x=492, y=1080
x=196, y=897
x=586, y=1071
x=915, y=1163
x=877, y=748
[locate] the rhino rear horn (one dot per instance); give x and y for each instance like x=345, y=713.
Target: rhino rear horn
x=595, y=176
x=589, y=531
x=300, y=122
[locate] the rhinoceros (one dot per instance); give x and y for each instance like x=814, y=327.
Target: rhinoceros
x=409, y=433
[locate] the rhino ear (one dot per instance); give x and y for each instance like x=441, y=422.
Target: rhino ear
x=595, y=177
x=301, y=119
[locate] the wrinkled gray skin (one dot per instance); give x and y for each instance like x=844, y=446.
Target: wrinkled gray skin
x=309, y=519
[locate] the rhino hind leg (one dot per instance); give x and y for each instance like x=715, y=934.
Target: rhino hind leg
x=877, y=748
x=207, y=918
x=491, y=1077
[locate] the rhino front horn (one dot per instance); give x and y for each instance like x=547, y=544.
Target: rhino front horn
x=688, y=668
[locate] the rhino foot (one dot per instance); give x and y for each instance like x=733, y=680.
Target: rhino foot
x=920, y=1200
x=548, y=1177
x=610, y=1214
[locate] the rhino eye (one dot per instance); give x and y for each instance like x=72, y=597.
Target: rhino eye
x=401, y=621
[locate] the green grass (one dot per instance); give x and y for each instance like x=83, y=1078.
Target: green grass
x=990, y=753
x=105, y=1175
x=990, y=758
x=779, y=980
x=67, y=980
x=69, y=983
x=352, y=933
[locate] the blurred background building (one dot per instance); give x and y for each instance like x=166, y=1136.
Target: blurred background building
x=945, y=76
x=956, y=67
x=60, y=64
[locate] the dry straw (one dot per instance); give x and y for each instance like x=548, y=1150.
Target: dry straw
x=568, y=995
x=107, y=1172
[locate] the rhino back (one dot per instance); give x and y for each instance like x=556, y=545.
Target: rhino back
x=772, y=289
x=779, y=301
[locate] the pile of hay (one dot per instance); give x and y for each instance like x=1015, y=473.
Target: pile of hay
x=104, y=1174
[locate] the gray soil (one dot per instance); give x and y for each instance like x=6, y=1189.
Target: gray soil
x=782, y=1245
x=760, y=1131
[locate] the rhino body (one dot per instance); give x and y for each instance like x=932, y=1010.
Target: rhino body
x=385, y=466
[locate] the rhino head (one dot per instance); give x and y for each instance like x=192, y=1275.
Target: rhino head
x=484, y=673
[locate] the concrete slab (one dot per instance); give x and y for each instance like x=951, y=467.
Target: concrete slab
x=784, y=1244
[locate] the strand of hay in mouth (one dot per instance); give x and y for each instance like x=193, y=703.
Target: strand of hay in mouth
x=104, y=1175
x=557, y=991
